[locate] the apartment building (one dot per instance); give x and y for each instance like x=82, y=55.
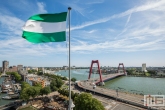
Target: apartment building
x=33, y=79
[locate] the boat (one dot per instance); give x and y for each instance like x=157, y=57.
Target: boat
x=6, y=97
x=14, y=96
x=4, y=90
x=10, y=93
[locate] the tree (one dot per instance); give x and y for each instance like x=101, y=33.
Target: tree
x=59, y=82
x=152, y=72
x=73, y=79
x=55, y=76
x=64, y=92
x=31, y=91
x=84, y=101
x=38, y=85
x=40, y=73
x=29, y=71
x=24, y=94
x=45, y=91
x=64, y=78
x=56, y=84
x=53, y=85
x=17, y=77
x=75, y=95
x=130, y=71
x=24, y=85
x=37, y=89
x=15, y=74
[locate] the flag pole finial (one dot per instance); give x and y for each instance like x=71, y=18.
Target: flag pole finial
x=69, y=8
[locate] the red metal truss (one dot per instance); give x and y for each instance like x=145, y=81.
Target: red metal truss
x=119, y=67
x=90, y=72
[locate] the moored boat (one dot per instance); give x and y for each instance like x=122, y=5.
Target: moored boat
x=6, y=97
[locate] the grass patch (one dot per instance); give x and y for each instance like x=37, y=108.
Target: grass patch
x=64, y=86
x=28, y=108
x=147, y=74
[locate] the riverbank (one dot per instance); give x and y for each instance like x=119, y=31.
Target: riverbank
x=146, y=76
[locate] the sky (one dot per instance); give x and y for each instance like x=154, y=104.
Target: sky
x=111, y=31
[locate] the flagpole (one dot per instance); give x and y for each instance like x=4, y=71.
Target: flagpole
x=69, y=8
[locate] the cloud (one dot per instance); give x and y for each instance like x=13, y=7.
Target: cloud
x=94, y=2
x=41, y=7
x=138, y=34
x=92, y=31
x=82, y=8
x=144, y=32
x=129, y=17
x=11, y=24
x=10, y=37
x=147, y=6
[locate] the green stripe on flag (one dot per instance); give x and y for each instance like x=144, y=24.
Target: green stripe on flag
x=58, y=17
x=44, y=37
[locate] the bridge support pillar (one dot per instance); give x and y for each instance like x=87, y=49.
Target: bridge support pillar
x=123, y=68
x=98, y=66
x=102, y=83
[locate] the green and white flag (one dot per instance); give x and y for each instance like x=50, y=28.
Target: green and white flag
x=45, y=28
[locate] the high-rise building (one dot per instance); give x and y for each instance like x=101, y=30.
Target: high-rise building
x=12, y=69
x=19, y=67
x=43, y=70
x=144, y=67
x=0, y=69
x=5, y=66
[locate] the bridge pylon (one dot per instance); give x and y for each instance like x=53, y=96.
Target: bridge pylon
x=98, y=66
x=123, y=68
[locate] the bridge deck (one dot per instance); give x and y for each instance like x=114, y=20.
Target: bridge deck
x=108, y=77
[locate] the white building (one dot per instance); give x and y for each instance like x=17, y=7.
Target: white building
x=144, y=67
x=160, y=73
x=49, y=71
x=43, y=70
x=34, y=68
x=65, y=67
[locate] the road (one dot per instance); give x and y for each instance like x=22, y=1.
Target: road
x=108, y=103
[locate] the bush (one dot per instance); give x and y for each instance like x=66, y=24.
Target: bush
x=85, y=101
x=73, y=79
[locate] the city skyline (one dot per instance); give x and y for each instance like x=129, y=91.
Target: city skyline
x=94, y=65
x=108, y=31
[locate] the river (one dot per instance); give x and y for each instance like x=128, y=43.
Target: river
x=79, y=74
x=144, y=85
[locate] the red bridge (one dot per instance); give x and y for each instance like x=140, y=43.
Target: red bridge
x=107, y=77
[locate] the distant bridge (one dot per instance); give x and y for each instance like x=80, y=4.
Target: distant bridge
x=107, y=77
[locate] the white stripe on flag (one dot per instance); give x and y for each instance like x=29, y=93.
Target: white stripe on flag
x=44, y=27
